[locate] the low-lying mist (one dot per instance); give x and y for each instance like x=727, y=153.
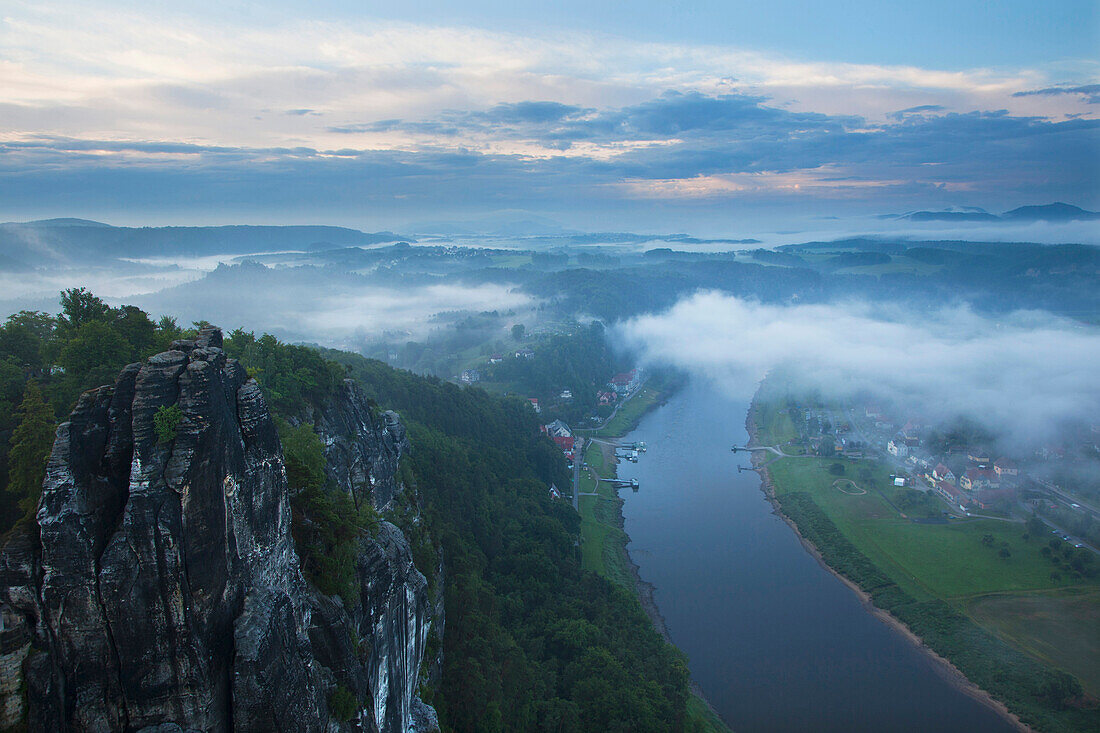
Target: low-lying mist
x=1025, y=375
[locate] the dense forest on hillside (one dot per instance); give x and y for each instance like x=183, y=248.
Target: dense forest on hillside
x=532, y=641
x=581, y=362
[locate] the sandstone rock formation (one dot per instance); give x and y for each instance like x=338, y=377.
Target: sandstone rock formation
x=160, y=585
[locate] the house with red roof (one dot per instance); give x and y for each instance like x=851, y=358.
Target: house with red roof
x=979, y=478
x=624, y=382
x=943, y=473
x=950, y=493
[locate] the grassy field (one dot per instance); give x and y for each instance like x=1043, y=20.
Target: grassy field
x=948, y=561
x=990, y=574
x=630, y=413
x=774, y=424
x=1060, y=627
x=603, y=542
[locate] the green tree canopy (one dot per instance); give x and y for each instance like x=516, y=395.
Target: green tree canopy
x=94, y=355
x=79, y=307
x=31, y=443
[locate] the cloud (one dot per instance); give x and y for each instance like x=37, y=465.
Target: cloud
x=920, y=109
x=680, y=147
x=1091, y=92
x=1024, y=374
x=165, y=112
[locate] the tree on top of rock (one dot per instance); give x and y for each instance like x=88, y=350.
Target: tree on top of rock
x=31, y=443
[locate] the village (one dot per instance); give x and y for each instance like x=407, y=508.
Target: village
x=970, y=479
x=620, y=388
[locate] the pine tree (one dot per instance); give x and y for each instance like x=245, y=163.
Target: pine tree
x=31, y=443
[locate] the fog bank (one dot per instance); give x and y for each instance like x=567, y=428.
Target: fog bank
x=1024, y=375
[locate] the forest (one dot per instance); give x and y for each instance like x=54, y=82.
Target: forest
x=532, y=641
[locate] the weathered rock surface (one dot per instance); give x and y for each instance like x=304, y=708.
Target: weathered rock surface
x=362, y=445
x=394, y=614
x=161, y=589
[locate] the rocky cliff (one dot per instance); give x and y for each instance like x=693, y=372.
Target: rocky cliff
x=362, y=445
x=160, y=585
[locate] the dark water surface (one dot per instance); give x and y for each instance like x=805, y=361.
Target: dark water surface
x=776, y=642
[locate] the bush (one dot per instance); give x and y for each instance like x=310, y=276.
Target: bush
x=165, y=422
x=343, y=704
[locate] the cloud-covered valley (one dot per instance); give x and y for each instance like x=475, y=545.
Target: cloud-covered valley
x=1025, y=374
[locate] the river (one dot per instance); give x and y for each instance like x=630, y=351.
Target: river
x=776, y=642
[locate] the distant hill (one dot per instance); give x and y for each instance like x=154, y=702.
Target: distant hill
x=80, y=241
x=1051, y=212
x=64, y=222
x=951, y=216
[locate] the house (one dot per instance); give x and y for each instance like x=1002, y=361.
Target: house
x=566, y=394
x=979, y=456
x=525, y=354
x=1005, y=467
x=950, y=493
x=911, y=427
x=471, y=376
x=535, y=404
x=979, y=478
x=897, y=448
x=943, y=473
x=554, y=493
x=919, y=458
x=557, y=429
x=565, y=443
x=624, y=382
x=496, y=359
x=607, y=398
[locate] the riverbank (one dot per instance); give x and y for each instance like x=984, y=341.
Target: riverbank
x=956, y=636
x=613, y=560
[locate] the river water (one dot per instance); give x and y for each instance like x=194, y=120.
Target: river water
x=775, y=641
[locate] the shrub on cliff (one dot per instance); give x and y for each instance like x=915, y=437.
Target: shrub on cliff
x=343, y=704
x=165, y=422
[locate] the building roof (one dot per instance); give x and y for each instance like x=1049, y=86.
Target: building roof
x=564, y=442
x=949, y=489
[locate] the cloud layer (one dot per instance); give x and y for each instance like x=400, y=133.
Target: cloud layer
x=1024, y=375
x=167, y=113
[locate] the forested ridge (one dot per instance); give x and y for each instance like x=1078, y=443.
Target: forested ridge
x=532, y=641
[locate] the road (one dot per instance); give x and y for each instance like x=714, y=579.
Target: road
x=1061, y=532
x=578, y=459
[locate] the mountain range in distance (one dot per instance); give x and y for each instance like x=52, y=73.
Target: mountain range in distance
x=1056, y=212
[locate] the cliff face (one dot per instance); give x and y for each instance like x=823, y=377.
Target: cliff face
x=163, y=586
x=362, y=445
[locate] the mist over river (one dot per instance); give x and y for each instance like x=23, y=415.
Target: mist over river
x=775, y=641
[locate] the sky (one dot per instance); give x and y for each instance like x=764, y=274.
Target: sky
x=707, y=117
